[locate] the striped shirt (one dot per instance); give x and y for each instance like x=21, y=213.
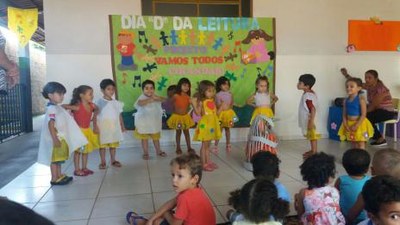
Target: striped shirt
x=381, y=89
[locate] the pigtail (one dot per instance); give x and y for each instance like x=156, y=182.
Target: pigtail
x=234, y=199
x=280, y=209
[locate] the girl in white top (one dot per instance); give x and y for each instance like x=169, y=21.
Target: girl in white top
x=59, y=134
x=258, y=202
x=148, y=119
x=110, y=123
x=262, y=100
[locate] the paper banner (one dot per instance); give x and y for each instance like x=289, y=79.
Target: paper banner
x=23, y=22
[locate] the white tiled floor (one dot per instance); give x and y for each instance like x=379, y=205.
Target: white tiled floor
x=142, y=186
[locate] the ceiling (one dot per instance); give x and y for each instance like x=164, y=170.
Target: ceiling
x=39, y=35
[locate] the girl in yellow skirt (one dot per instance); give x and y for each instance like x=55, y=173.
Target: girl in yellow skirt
x=83, y=109
x=262, y=100
x=227, y=116
x=355, y=126
x=208, y=127
x=180, y=119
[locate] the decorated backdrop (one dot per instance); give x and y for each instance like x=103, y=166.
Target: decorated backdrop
x=165, y=49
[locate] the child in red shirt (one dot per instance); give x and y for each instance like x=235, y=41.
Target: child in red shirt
x=192, y=206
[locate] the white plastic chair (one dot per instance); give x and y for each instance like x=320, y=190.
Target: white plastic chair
x=396, y=104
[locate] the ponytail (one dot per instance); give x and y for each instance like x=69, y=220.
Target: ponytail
x=76, y=94
x=280, y=209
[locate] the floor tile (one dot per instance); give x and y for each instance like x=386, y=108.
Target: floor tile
x=24, y=195
x=71, y=192
x=65, y=210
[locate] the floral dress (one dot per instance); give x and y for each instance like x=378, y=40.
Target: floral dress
x=208, y=127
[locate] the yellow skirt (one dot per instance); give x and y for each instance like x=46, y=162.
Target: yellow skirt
x=140, y=136
x=208, y=128
x=263, y=111
x=180, y=122
x=312, y=134
x=110, y=145
x=60, y=154
x=363, y=132
x=93, y=141
x=228, y=118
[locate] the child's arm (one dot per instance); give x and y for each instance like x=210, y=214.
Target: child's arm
x=196, y=106
x=356, y=209
x=171, y=219
x=70, y=107
x=298, y=202
x=363, y=105
x=158, y=98
x=344, y=116
x=313, y=111
x=53, y=133
x=274, y=98
x=169, y=205
x=337, y=184
x=121, y=122
x=250, y=100
x=144, y=102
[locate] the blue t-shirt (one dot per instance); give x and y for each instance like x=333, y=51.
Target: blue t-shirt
x=349, y=189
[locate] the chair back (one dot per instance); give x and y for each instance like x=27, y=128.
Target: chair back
x=396, y=105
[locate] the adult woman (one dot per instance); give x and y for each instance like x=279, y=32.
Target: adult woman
x=380, y=106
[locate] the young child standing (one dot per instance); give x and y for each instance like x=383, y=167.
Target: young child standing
x=259, y=203
x=319, y=203
x=227, y=116
x=262, y=100
x=83, y=109
x=192, y=206
x=148, y=119
x=355, y=126
x=208, y=127
x=59, y=134
x=382, y=200
x=168, y=105
x=180, y=119
x=110, y=123
x=307, y=112
x=356, y=164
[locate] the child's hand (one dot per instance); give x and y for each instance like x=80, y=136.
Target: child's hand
x=56, y=143
x=96, y=129
x=354, y=127
x=123, y=129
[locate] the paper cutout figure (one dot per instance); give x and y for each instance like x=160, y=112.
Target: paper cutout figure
x=174, y=37
x=238, y=44
x=182, y=37
x=225, y=49
x=230, y=57
x=258, y=52
x=192, y=37
x=124, y=76
x=202, y=38
x=149, y=48
x=142, y=34
x=149, y=67
x=137, y=78
x=164, y=38
x=156, y=42
x=350, y=48
x=218, y=43
x=126, y=48
x=376, y=20
x=230, y=76
x=230, y=35
x=211, y=38
x=162, y=84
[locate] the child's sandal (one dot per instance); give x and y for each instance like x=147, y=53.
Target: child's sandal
x=116, y=164
x=87, y=171
x=80, y=173
x=162, y=154
x=102, y=166
x=132, y=217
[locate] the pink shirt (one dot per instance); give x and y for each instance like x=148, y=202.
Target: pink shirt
x=380, y=89
x=225, y=96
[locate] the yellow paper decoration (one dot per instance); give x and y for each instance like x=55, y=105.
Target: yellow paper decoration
x=23, y=22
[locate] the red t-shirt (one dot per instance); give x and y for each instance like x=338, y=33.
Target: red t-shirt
x=126, y=49
x=194, y=208
x=82, y=116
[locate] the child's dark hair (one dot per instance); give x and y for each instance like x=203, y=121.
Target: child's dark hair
x=53, y=87
x=203, y=86
x=258, y=200
x=172, y=88
x=265, y=165
x=356, y=161
x=380, y=190
x=76, y=98
x=262, y=78
x=191, y=162
x=17, y=214
x=356, y=80
x=317, y=169
x=105, y=83
x=146, y=82
x=220, y=81
x=181, y=82
x=307, y=79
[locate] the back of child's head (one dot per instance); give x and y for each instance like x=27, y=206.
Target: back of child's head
x=53, y=87
x=307, y=79
x=220, y=81
x=380, y=190
x=105, y=83
x=190, y=162
x=172, y=89
x=318, y=169
x=265, y=165
x=147, y=82
x=356, y=161
x=76, y=94
x=386, y=162
x=258, y=200
x=204, y=85
x=12, y=213
x=181, y=82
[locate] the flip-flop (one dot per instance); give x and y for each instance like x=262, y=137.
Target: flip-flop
x=87, y=171
x=134, y=216
x=80, y=173
x=116, y=164
x=162, y=154
x=102, y=166
x=178, y=151
x=191, y=151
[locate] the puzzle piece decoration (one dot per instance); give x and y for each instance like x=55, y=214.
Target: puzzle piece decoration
x=150, y=49
x=230, y=76
x=202, y=38
x=230, y=57
x=162, y=84
x=218, y=43
x=149, y=68
x=174, y=37
x=182, y=37
x=164, y=38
